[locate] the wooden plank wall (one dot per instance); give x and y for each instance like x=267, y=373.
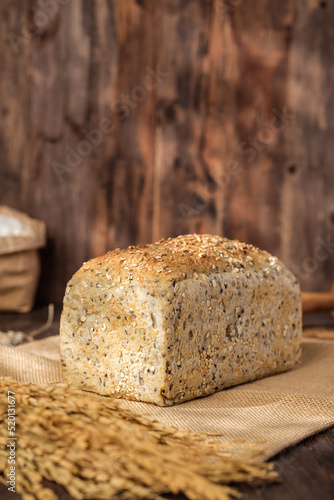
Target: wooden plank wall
x=202, y=116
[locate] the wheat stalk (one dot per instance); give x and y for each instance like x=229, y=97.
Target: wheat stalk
x=95, y=448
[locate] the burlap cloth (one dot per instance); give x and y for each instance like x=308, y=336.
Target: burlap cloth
x=274, y=412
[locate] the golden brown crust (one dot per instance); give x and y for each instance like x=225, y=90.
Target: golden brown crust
x=175, y=259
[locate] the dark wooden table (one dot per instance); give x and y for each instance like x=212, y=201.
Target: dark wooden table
x=306, y=470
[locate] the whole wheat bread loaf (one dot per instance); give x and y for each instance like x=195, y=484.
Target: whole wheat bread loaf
x=179, y=319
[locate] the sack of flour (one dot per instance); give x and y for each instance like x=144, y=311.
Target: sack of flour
x=20, y=239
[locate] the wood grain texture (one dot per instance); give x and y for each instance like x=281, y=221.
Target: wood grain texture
x=122, y=122
x=307, y=210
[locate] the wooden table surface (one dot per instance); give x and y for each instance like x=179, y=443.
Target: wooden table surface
x=306, y=470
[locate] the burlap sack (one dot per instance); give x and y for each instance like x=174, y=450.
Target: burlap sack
x=274, y=412
x=19, y=274
x=19, y=260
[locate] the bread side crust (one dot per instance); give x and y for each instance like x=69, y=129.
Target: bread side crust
x=227, y=332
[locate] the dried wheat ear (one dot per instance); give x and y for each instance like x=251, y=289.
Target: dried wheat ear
x=95, y=448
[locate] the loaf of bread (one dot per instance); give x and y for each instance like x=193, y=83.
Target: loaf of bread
x=179, y=319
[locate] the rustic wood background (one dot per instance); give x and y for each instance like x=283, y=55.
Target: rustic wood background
x=233, y=135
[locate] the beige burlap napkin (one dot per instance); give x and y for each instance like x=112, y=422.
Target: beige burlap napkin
x=274, y=412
